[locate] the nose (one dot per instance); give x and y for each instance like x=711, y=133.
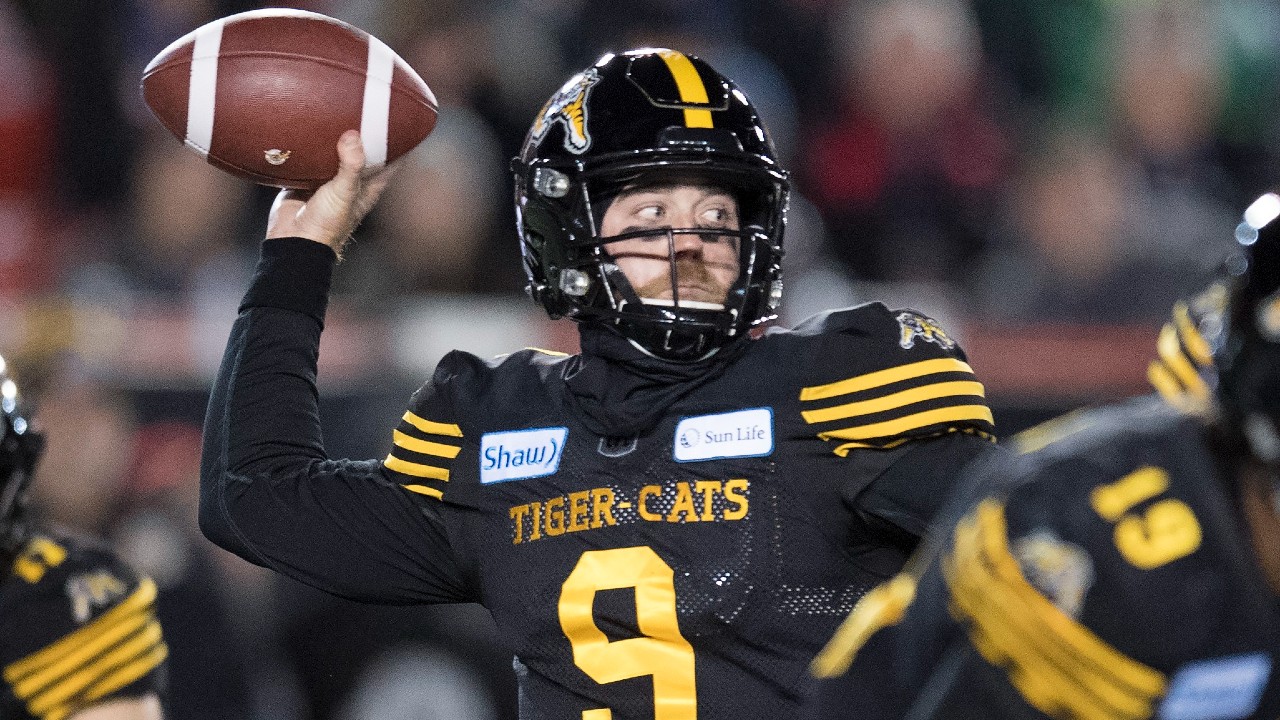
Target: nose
x=687, y=243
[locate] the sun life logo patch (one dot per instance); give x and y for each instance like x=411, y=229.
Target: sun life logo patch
x=569, y=108
x=742, y=433
x=913, y=325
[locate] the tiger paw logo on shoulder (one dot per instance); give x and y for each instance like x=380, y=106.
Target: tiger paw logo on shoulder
x=914, y=325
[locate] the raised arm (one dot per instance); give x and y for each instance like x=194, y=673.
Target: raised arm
x=269, y=492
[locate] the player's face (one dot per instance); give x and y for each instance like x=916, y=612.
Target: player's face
x=706, y=264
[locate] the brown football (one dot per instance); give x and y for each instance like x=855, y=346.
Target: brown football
x=265, y=94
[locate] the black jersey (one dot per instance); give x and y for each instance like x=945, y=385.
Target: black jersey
x=1105, y=575
x=690, y=571
x=77, y=628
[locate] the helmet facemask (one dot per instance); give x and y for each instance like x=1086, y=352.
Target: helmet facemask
x=593, y=285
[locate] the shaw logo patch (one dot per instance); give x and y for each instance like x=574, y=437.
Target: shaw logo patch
x=521, y=454
x=1221, y=689
x=742, y=433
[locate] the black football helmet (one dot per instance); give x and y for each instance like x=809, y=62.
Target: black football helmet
x=20, y=447
x=637, y=116
x=1248, y=360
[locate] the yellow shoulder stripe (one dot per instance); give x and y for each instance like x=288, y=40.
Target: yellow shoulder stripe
x=127, y=611
x=894, y=401
x=1162, y=379
x=433, y=428
x=416, y=469
x=915, y=421
x=1197, y=346
x=883, y=606
x=127, y=674
x=1058, y=665
x=884, y=377
x=425, y=447
x=1171, y=352
x=116, y=649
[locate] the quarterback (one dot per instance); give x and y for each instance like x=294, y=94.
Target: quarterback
x=667, y=525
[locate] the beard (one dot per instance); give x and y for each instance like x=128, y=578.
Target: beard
x=694, y=281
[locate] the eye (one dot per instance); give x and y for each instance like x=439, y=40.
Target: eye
x=717, y=216
x=650, y=213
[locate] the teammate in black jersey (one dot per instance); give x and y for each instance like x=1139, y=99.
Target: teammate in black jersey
x=667, y=525
x=1128, y=568
x=78, y=635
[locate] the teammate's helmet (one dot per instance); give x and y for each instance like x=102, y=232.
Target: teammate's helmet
x=20, y=448
x=1249, y=359
x=634, y=115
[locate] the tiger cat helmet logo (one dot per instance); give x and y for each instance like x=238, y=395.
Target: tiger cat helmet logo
x=569, y=108
x=914, y=325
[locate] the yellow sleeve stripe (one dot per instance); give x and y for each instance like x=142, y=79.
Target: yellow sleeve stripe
x=884, y=377
x=1171, y=352
x=891, y=428
x=894, y=401
x=1162, y=379
x=1058, y=665
x=844, y=449
x=416, y=469
x=426, y=447
x=65, y=690
x=882, y=607
x=432, y=428
x=1197, y=346
x=128, y=611
x=424, y=490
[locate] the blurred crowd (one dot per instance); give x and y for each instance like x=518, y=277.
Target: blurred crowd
x=994, y=163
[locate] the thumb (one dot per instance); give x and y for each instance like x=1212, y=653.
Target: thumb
x=332, y=212
x=346, y=184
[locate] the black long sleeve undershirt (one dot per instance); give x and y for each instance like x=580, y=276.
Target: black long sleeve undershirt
x=269, y=493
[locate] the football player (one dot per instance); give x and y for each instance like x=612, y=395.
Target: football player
x=1127, y=569
x=667, y=525
x=79, y=638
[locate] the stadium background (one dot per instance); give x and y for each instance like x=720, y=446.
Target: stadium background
x=1045, y=179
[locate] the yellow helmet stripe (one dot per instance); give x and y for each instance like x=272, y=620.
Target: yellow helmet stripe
x=691, y=88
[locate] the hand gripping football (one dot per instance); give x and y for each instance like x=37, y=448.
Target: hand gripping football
x=265, y=95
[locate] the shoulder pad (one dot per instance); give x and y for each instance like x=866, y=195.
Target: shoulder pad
x=1020, y=597
x=62, y=599
x=875, y=377
x=459, y=402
